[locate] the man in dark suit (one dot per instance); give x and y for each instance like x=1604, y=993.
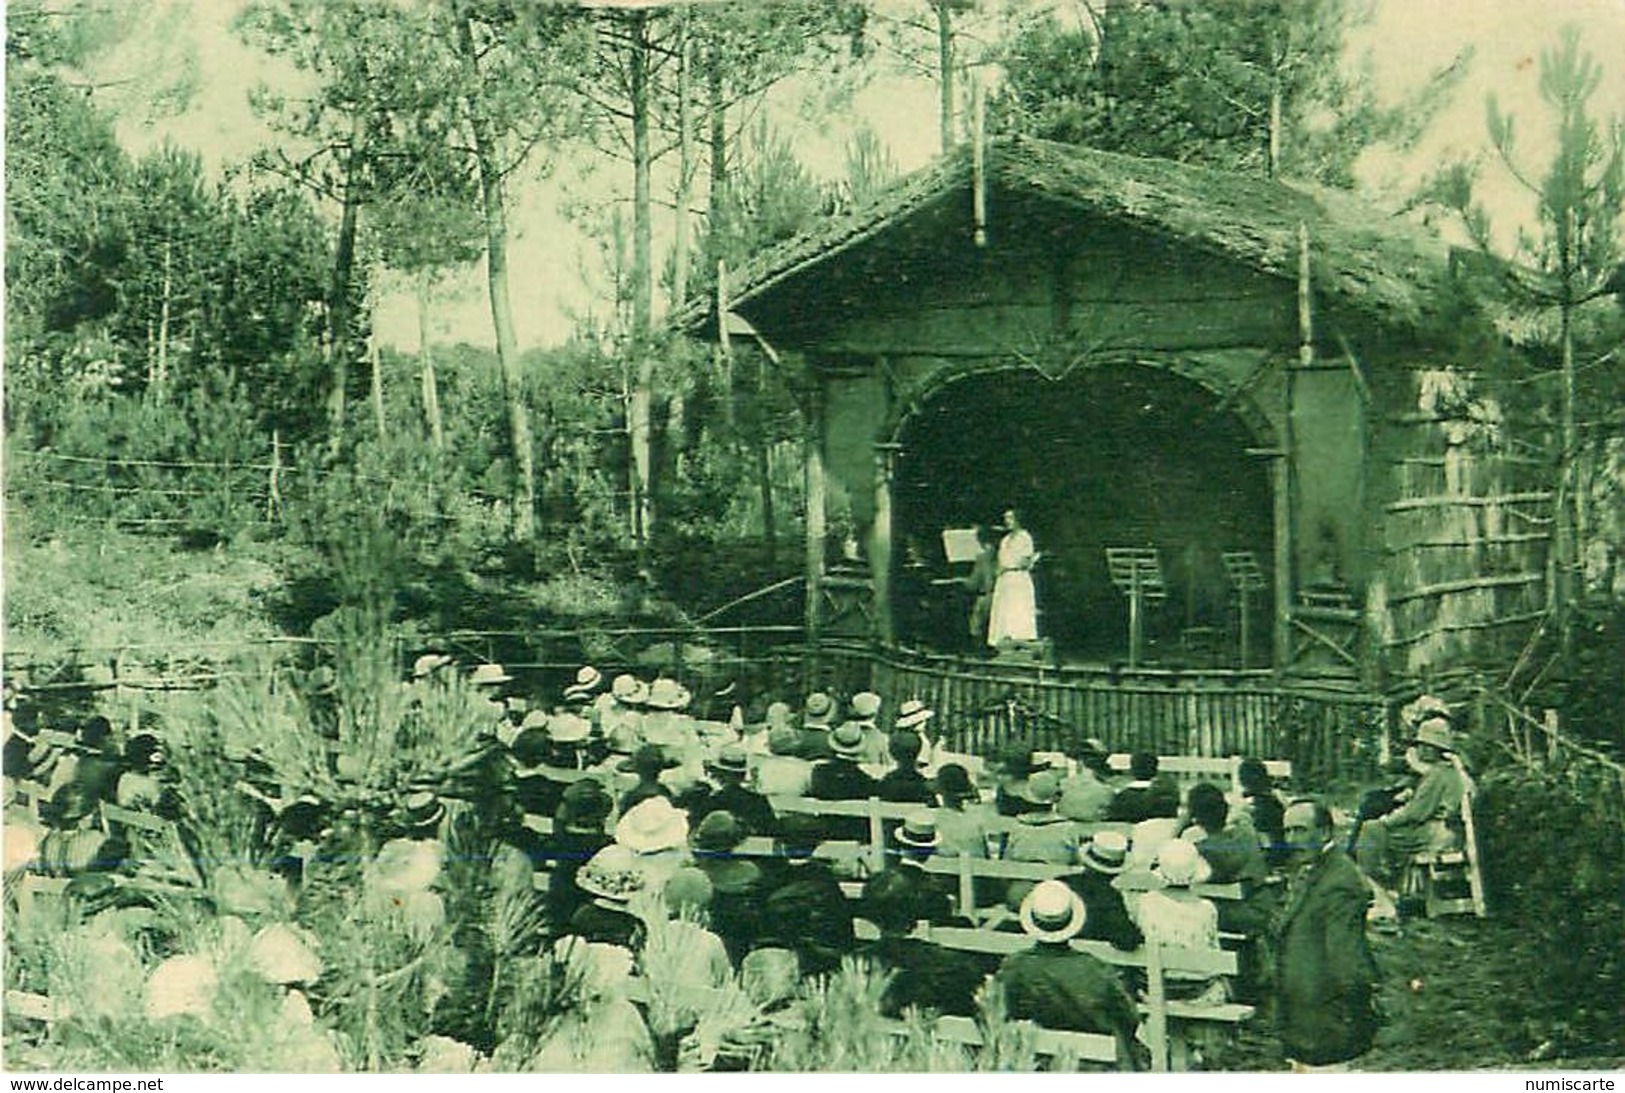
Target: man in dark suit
x=904, y=784
x=728, y=770
x=841, y=779
x=1325, y=977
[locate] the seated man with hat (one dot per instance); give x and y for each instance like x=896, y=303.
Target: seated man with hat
x=544, y=748
x=1429, y=820
x=904, y=784
x=915, y=716
x=1104, y=858
x=1057, y=986
x=914, y=842
x=804, y=909
x=922, y=974
x=1042, y=835
x=621, y=721
x=667, y=722
x=865, y=710
x=816, y=718
x=584, y=690
x=728, y=771
x=842, y=779
x=1086, y=797
x=784, y=771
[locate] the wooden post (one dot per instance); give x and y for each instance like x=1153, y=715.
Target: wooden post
x=1286, y=471
x=880, y=541
x=813, y=469
x=1156, y=1032
x=877, y=837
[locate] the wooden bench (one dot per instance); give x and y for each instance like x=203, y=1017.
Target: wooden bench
x=160, y=848
x=1186, y=769
x=1167, y=1021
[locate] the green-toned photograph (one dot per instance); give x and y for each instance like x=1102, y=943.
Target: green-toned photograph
x=924, y=536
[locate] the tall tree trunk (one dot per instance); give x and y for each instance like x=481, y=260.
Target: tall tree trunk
x=340, y=292
x=945, y=67
x=680, y=248
x=1272, y=167
x=375, y=364
x=431, y=389
x=642, y=279
x=163, y=316
x=717, y=112
x=492, y=202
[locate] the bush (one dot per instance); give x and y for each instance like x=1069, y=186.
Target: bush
x=1553, y=843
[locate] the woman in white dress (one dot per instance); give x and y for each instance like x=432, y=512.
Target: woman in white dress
x=1013, y=615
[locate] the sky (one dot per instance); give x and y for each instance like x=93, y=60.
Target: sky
x=556, y=269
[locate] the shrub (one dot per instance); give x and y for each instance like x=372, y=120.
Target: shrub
x=1553, y=843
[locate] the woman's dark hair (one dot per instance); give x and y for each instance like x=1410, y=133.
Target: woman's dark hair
x=1253, y=777
x=1143, y=765
x=1208, y=806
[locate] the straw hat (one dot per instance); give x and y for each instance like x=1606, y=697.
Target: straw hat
x=865, y=706
x=918, y=831
x=429, y=663
x=1180, y=864
x=1107, y=853
x=651, y=826
x=820, y=709
x=1436, y=731
x=424, y=809
x=612, y=874
x=1052, y=912
x=913, y=714
x=668, y=694
x=489, y=675
x=567, y=728
x=588, y=679
x=847, y=741
x=731, y=759
x=629, y=690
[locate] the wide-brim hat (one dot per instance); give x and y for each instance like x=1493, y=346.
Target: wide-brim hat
x=1436, y=731
x=1424, y=708
x=651, y=826
x=777, y=715
x=429, y=663
x=1107, y=853
x=1052, y=912
x=567, y=728
x=731, y=759
x=424, y=809
x=668, y=694
x=819, y=710
x=613, y=874
x=918, y=831
x=865, y=706
x=914, y=713
x=588, y=679
x=847, y=741
x=489, y=675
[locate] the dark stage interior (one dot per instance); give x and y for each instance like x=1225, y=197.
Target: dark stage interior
x=1112, y=456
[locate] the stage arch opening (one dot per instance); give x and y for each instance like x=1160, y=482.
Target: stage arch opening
x=1130, y=456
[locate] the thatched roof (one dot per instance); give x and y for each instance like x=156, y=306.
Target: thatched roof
x=1380, y=265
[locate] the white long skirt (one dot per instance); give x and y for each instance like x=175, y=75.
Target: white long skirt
x=1013, y=615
